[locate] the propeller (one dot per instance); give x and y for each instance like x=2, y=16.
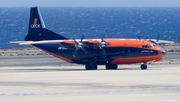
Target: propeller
x=79, y=45
x=157, y=40
x=103, y=44
x=153, y=41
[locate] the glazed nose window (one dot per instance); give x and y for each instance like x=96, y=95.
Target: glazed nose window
x=159, y=51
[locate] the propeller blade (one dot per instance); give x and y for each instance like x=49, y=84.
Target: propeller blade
x=84, y=49
x=75, y=53
x=102, y=39
x=139, y=37
x=162, y=46
x=82, y=38
x=103, y=53
x=137, y=32
x=158, y=37
x=75, y=41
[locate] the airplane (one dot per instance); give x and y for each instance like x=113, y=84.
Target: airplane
x=90, y=52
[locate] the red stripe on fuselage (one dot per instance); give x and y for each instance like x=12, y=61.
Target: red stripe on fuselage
x=60, y=57
x=137, y=59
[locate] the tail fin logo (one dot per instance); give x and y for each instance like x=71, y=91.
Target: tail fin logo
x=35, y=25
x=35, y=21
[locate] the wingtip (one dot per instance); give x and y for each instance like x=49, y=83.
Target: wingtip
x=17, y=44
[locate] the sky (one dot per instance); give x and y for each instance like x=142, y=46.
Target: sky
x=90, y=3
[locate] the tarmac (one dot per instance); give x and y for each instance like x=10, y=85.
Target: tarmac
x=46, y=78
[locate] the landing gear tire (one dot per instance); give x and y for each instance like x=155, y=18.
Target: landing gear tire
x=143, y=67
x=108, y=66
x=91, y=67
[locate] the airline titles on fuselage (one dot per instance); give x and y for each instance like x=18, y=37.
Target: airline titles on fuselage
x=62, y=48
x=146, y=51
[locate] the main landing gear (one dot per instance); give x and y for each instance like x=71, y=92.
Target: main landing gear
x=108, y=66
x=91, y=67
x=143, y=66
x=94, y=67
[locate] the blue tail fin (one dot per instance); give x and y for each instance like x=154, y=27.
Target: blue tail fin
x=37, y=30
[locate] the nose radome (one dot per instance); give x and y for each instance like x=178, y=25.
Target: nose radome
x=164, y=52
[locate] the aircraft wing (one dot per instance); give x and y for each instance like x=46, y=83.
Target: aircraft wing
x=166, y=42
x=162, y=41
x=35, y=42
x=70, y=44
x=64, y=43
x=19, y=41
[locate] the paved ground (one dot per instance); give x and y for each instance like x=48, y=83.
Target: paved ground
x=172, y=56
x=50, y=79
x=29, y=61
x=72, y=83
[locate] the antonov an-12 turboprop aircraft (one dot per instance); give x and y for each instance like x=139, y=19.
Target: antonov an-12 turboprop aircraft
x=90, y=52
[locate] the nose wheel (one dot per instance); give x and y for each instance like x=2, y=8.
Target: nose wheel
x=143, y=66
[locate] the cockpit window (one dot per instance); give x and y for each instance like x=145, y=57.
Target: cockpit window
x=147, y=46
x=150, y=45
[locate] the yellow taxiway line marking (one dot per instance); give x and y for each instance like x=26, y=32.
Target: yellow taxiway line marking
x=11, y=66
x=123, y=85
x=4, y=61
x=96, y=85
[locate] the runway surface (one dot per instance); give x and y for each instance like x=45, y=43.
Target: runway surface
x=49, y=79
x=29, y=61
x=72, y=83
